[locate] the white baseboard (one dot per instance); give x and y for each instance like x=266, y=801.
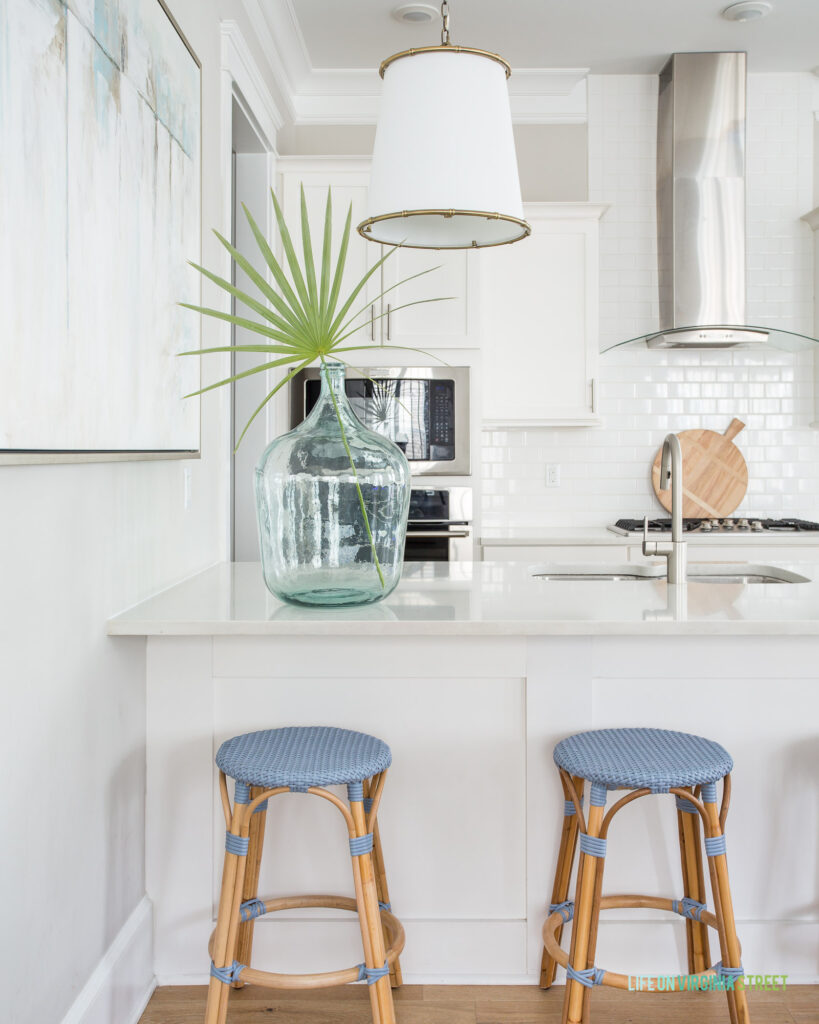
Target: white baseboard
x=122, y=982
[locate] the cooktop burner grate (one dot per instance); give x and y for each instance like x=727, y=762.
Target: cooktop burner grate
x=720, y=525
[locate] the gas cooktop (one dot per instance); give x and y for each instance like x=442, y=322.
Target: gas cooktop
x=626, y=526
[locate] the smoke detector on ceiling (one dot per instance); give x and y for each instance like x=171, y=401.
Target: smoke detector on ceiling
x=415, y=14
x=747, y=10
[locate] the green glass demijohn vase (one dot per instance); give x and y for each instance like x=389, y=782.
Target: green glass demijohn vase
x=313, y=486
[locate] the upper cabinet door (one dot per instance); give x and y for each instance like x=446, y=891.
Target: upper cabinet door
x=449, y=324
x=349, y=182
x=539, y=320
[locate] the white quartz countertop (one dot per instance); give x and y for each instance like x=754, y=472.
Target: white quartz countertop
x=480, y=599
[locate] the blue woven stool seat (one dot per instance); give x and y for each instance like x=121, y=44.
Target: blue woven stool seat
x=303, y=756
x=656, y=759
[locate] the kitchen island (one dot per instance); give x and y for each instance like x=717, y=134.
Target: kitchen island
x=471, y=672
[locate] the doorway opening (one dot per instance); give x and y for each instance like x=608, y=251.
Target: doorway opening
x=252, y=170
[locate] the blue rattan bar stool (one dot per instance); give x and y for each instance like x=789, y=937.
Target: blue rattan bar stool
x=644, y=761
x=303, y=760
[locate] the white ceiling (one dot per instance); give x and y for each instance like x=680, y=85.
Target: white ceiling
x=607, y=36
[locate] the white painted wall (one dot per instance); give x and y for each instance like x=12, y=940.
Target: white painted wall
x=78, y=543
x=642, y=395
x=552, y=158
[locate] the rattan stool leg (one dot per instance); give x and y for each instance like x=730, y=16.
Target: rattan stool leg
x=250, y=888
x=724, y=907
x=585, y=914
x=593, y=929
x=396, y=979
x=563, y=876
x=224, y=945
x=696, y=933
x=380, y=992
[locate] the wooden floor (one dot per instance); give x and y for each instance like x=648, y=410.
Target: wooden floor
x=496, y=1004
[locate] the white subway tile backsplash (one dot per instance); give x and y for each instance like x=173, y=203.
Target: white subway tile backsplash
x=605, y=472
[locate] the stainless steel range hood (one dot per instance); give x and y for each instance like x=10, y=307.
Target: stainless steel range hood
x=701, y=208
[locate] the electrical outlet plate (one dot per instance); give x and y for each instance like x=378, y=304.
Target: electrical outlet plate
x=552, y=474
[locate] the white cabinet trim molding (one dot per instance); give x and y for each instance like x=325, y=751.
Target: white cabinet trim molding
x=237, y=60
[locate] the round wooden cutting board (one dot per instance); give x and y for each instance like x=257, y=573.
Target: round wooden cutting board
x=715, y=476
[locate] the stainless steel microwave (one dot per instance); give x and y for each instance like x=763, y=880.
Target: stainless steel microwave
x=423, y=409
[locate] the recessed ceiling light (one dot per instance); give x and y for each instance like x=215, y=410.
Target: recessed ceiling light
x=415, y=14
x=747, y=10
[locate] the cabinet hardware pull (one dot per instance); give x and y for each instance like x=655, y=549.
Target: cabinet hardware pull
x=436, y=534
x=389, y=308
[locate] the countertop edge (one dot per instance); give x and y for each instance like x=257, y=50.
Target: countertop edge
x=807, y=627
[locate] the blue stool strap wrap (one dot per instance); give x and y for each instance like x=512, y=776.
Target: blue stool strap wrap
x=252, y=908
x=588, y=977
x=729, y=972
x=236, y=844
x=260, y=807
x=361, y=844
x=715, y=846
x=298, y=787
x=685, y=806
x=593, y=845
x=597, y=797
x=229, y=974
x=709, y=792
x=241, y=794
x=686, y=907
x=568, y=808
x=372, y=974
x=355, y=792
x=566, y=909
x=368, y=804
x=384, y=906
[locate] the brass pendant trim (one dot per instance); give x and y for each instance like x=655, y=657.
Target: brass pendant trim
x=446, y=49
x=365, y=226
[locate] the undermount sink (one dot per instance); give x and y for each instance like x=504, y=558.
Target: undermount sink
x=703, y=572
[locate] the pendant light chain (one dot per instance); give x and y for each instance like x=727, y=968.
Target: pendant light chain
x=445, y=19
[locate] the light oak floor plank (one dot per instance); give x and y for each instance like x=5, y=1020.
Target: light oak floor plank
x=479, y=1004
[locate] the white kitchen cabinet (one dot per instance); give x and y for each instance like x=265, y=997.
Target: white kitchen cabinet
x=812, y=220
x=433, y=325
x=349, y=181
x=449, y=324
x=539, y=320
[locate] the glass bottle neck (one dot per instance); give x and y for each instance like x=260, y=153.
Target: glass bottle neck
x=333, y=399
x=333, y=378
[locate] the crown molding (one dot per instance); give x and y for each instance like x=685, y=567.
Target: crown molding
x=352, y=96
x=238, y=62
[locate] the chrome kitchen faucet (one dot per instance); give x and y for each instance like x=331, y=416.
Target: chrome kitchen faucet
x=675, y=552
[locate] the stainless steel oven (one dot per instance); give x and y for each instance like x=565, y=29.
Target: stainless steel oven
x=440, y=525
x=423, y=409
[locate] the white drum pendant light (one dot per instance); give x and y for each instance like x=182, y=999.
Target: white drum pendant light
x=444, y=170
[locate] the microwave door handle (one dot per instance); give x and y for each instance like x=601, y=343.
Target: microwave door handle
x=439, y=522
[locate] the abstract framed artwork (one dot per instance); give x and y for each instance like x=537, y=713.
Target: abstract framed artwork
x=100, y=210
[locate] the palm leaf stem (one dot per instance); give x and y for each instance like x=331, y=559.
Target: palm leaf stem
x=357, y=484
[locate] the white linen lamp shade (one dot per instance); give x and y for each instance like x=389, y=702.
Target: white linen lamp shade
x=444, y=170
